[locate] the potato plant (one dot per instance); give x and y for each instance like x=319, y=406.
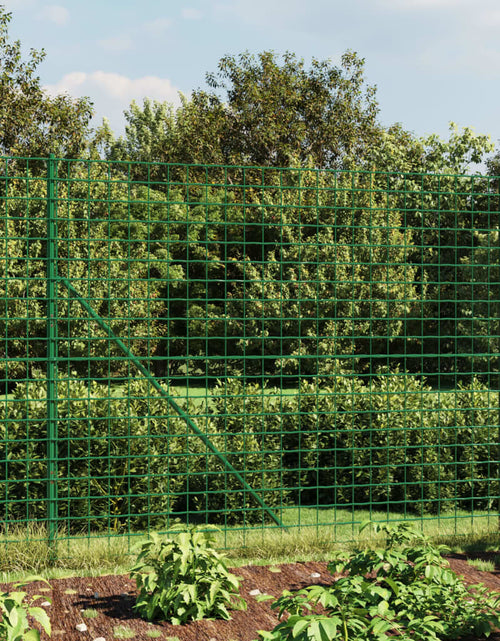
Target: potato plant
x=183, y=578
x=16, y=612
x=405, y=590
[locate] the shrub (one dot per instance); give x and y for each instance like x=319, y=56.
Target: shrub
x=184, y=579
x=125, y=459
x=395, y=440
x=252, y=445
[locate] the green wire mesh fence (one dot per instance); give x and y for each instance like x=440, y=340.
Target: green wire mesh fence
x=250, y=347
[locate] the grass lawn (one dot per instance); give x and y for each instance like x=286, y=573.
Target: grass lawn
x=311, y=534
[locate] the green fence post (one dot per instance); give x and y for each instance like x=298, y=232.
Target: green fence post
x=497, y=313
x=51, y=357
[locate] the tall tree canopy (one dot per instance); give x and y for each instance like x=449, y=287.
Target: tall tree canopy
x=263, y=110
x=32, y=123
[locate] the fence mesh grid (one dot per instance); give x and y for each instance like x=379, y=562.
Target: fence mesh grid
x=249, y=347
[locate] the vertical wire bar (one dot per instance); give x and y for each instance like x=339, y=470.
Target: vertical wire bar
x=498, y=351
x=52, y=463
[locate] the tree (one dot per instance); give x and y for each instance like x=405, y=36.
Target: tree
x=149, y=134
x=446, y=213
x=399, y=150
x=106, y=253
x=33, y=123
x=261, y=110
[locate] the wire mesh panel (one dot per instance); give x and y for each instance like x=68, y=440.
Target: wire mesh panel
x=248, y=347
x=23, y=481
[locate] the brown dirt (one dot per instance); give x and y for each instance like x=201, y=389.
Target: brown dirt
x=113, y=597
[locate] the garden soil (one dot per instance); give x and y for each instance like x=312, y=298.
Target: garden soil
x=112, y=598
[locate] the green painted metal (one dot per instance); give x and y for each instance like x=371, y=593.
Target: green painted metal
x=147, y=374
x=247, y=347
x=52, y=353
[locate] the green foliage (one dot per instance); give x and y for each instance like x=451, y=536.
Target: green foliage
x=252, y=447
x=33, y=123
x=451, y=219
x=183, y=578
x=347, y=618
x=261, y=110
x=454, y=225
x=115, y=277
x=291, y=272
x=334, y=280
x=405, y=589
x=400, y=151
x=294, y=265
x=394, y=440
x=149, y=134
x=118, y=456
x=125, y=459
x=14, y=613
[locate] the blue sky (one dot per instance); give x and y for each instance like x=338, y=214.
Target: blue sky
x=433, y=61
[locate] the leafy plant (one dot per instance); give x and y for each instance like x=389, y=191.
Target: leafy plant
x=183, y=578
x=124, y=458
x=405, y=589
x=340, y=441
x=14, y=624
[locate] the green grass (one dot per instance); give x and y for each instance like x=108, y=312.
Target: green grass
x=201, y=396
x=483, y=565
x=309, y=535
x=90, y=613
x=123, y=632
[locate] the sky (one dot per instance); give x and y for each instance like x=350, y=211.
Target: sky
x=432, y=61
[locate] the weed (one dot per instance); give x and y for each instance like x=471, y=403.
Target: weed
x=123, y=632
x=483, y=565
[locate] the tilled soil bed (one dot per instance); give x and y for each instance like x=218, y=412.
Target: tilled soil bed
x=112, y=598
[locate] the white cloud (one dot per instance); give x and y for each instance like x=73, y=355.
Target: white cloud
x=55, y=13
x=114, y=85
x=191, y=14
x=112, y=93
x=69, y=83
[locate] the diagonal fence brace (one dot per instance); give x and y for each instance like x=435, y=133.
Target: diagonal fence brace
x=147, y=374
